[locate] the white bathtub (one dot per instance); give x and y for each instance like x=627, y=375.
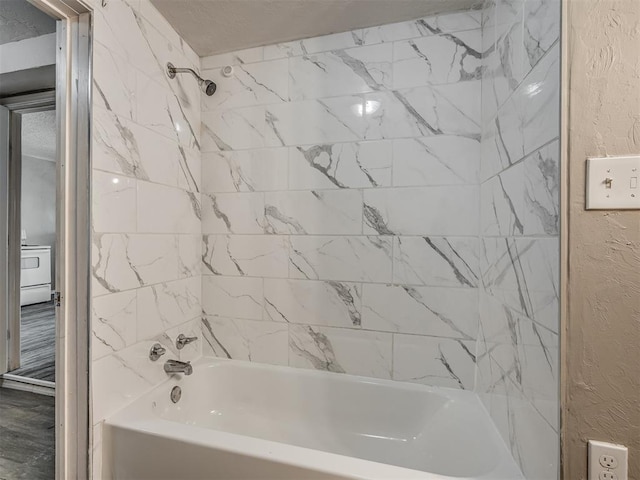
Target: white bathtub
x=238, y=420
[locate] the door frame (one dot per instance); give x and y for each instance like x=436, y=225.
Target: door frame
x=17, y=106
x=73, y=229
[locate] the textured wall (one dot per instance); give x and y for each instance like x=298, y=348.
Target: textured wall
x=146, y=204
x=340, y=198
x=602, y=332
x=519, y=211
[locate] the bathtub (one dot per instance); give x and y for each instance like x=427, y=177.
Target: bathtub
x=238, y=420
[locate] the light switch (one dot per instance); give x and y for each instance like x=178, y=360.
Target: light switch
x=612, y=183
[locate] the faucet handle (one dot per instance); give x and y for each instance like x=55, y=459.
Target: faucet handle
x=156, y=352
x=183, y=340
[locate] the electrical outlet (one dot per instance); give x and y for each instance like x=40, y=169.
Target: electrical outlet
x=607, y=461
x=607, y=475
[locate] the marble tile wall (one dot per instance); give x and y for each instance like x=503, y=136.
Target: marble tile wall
x=146, y=226
x=517, y=354
x=340, y=202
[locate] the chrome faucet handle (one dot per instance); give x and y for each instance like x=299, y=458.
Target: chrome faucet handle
x=183, y=340
x=156, y=352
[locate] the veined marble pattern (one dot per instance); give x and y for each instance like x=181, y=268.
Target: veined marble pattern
x=146, y=225
x=517, y=348
x=340, y=72
x=415, y=223
x=245, y=170
x=255, y=341
x=342, y=165
x=438, y=59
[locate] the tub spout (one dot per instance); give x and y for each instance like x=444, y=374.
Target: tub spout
x=176, y=366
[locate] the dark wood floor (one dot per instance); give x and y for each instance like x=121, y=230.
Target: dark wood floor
x=27, y=436
x=37, y=342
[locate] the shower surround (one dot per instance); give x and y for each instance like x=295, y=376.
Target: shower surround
x=381, y=202
x=340, y=195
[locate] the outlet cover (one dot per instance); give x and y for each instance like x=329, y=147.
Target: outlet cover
x=607, y=461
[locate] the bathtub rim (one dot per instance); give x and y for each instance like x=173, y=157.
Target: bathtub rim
x=138, y=416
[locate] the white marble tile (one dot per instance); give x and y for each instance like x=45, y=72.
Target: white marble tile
x=445, y=211
x=116, y=26
x=235, y=297
x=113, y=323
x=255, y=170
x=435, y=361
x=167, y=305
x=251, y=84
x=542, y=191
x=341, y=72
x=121, y=377
x=163, y=111
x=502, y=203
x=123, y=262
x=239, y=57
x=233, y=213
x=436, y=261
x=522, y=266
x=313, y=45
x=436, y=160
x=328, y=120
x=340, y=350
x=246, y=255
x=163, y=209
x=189, y=169
x=252, y=340
x=452, y=109
x=306, y=302
x=341, y=165
x=531, y=117
x=189, y=255
x=114, y=82
x=345, y=258
x=113, y=203
x=437, y=311
x=234, y=129
x=438, y=59
x=541, y=29
x=314, y=213
x=422, y=27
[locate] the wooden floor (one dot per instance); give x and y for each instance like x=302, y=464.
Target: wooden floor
x=37, y=342
x=27, y=435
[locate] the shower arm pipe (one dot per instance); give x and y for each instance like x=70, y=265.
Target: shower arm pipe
x=173, y=70
x=207, y=86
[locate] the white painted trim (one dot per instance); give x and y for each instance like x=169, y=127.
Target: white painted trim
x=16, y=382
x=30, y=53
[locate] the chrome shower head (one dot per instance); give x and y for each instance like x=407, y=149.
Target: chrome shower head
x=207, y=86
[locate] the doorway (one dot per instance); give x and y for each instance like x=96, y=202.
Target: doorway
x=32, y=172
x=44, y=248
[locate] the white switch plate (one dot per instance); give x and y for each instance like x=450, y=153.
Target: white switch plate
x=607, y=461
x=613, y=183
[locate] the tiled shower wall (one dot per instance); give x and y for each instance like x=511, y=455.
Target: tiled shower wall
x=340, y=202
x=519, y=211
x=146, y=204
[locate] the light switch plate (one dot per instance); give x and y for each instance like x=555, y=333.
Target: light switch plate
x=613, y=183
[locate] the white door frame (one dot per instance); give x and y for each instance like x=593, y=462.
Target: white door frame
x=73, y=228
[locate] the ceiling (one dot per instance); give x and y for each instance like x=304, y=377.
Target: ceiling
x=20, y=20
x=218, y=26
x=39, y=134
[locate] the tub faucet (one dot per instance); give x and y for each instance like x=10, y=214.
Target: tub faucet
x=176, y=366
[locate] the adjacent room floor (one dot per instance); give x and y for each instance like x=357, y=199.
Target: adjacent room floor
x=37, y=342
x=27, y=435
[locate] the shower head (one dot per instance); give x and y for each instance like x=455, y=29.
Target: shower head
x=207, y=86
